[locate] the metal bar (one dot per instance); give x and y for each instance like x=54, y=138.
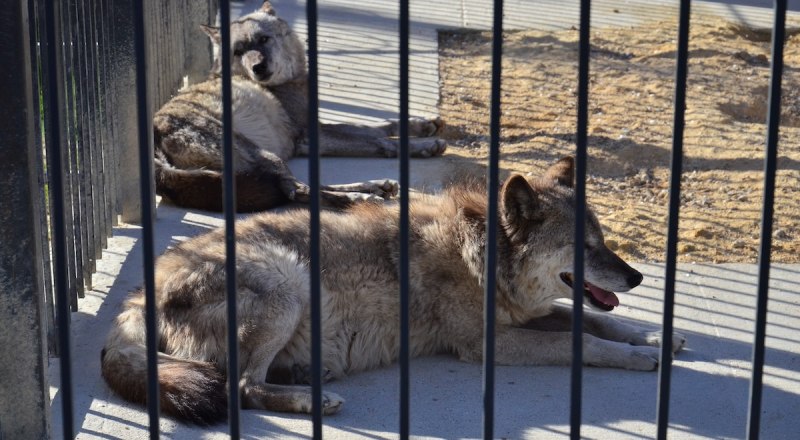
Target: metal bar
x=110, y=123
x=55, y=142
x=229, y=202
x=70, y=179
x=580, y=223
x=770, y=166
x=98, y=198
x=25, y=405
x=679, y=106
x=404, y=222
x=127, y=159
x=75, y=128
x=103, y=122
x=314, y=239
x=38, y=68
x=491, y=225
x=144, y=130
x=84, y=144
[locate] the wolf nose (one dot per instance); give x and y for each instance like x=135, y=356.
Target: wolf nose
x=635, y=279
x=261, y=70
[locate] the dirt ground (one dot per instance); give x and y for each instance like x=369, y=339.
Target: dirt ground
x=630, y=129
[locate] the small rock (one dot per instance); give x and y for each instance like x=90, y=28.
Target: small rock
x=612, y=244
x=685, y=248
x=627, y=247
x=739, y=244
x=780, y=234
x=703, y=233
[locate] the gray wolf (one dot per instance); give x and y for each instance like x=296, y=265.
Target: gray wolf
x=270, y=126
x=360, y=298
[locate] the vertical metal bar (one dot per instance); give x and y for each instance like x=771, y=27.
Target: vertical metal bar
x=109, y=122
x=314, y=239
x=404, y=222
x=229, y=202
x=54, y=140
x=580, y=222
x=70, y=180
x=124, y=77
x=25, y=405
x=103, y=123
x=145, y=131
x=770, y=166
x=679, y=106
x=85, y=143
x=78, y=148
x=491, y=225
x=95, y=88
x=38, y=68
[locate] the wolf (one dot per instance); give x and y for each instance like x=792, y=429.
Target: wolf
x=270, y=98
x=359, y=298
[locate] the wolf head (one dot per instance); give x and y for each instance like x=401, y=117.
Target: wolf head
x=263, y=48
x=538, y=220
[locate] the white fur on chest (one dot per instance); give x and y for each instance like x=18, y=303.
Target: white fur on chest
x=260, y=117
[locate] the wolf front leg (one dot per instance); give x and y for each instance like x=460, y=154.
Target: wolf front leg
x=519, y=346
x=603, y=326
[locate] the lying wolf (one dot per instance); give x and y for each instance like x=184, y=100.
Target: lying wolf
x=360, y=298
x=270, y=122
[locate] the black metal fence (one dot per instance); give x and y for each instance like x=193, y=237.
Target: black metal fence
x=69, y=139
x=70, y=91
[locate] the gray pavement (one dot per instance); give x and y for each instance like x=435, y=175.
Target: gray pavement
x=715, y=303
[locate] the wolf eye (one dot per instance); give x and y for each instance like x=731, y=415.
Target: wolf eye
x=238, y=52
x=263, y=39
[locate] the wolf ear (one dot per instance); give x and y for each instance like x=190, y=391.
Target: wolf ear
x=520, y=201
x=562, y=172
x=267, y=7
x=212, y=32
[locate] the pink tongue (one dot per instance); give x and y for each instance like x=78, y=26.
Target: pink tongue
x=604, y=296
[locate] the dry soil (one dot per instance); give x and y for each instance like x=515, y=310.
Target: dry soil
x=630, y=134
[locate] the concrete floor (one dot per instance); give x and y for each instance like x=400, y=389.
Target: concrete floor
x=715, y=303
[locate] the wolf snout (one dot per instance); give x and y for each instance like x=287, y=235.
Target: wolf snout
x=635, y=279
x=261, y=71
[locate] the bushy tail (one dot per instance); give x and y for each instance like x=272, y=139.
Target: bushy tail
x=202, y=189
x=191, y=391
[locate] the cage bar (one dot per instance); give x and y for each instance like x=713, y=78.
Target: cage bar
x=404, y=222
x=576, y=389
x=679, y=107
x=765, y=248
x=145, y=131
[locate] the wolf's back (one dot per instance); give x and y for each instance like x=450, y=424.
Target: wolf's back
x=256, y=190
x=191, y=391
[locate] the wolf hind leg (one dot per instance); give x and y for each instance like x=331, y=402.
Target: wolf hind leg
x=417, y=127
x=342, y=196
x=349, y=140
x=272, y=301
x=287, y=398
x=385, y=188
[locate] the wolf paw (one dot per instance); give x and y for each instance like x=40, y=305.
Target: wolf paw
x=386, y=188
x=301, y=374
x=423, y=127
x=427, y=147
x=643, y=359
x=359, y=197
x=655, y=338
x=331, y=403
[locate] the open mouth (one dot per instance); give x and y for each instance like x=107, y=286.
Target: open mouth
x=600, y=298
